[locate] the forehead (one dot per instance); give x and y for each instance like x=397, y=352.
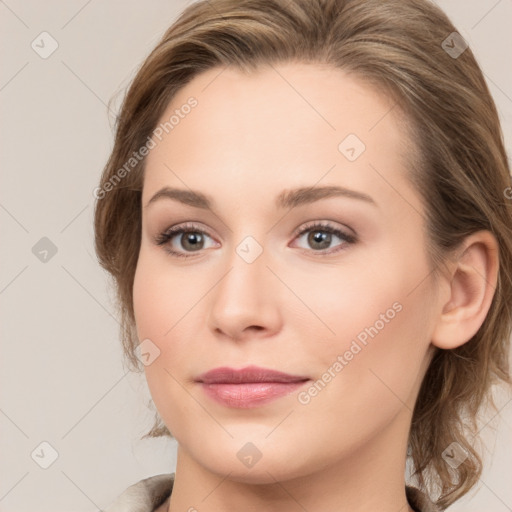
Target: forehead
x=292, y=124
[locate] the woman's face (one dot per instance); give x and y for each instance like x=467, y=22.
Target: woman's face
x=349, y=305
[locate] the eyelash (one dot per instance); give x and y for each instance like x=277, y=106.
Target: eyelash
x=164, y=237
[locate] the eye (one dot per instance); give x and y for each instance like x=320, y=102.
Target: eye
x=191, y=238
x=320, y=237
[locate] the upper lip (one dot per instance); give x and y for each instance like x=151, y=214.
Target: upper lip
x=248, y=374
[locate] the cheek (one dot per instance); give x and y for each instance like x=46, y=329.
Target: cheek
x=158, y=309
x=376, y=308
x=375, y=361
x=154, y=312
x=162, y=294
x=169, y=308
x=146, y=300
x=370, y=373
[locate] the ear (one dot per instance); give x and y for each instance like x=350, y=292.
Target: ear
x=471, y=283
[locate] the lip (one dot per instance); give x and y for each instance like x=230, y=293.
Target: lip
x=248, y=387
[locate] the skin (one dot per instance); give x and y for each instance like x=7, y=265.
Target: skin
x=249, y=138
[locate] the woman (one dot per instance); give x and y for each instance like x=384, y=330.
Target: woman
x=306, y=216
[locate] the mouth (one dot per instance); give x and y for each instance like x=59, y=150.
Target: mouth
x=248, y=387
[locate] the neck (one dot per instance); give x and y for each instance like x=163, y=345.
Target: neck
x=370, y=477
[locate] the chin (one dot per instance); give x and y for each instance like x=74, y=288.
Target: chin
x=263, y=473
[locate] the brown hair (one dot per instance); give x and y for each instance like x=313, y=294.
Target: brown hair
x=462, y=171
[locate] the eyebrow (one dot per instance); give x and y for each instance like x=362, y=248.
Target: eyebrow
x=286, y=199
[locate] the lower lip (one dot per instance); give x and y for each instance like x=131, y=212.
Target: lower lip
x=251, y=394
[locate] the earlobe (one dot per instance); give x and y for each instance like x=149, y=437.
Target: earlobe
x=472, y=287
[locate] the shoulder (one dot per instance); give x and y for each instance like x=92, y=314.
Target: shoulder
x=144, y=496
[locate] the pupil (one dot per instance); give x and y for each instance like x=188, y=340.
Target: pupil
x=194, y=239
x=320, y=237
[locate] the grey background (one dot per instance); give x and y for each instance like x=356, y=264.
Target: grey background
x=61, y=377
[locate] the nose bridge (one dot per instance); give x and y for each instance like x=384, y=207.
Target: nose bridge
x=245, y=296
x=247, y=263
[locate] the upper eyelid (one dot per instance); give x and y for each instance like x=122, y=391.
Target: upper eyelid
x=324, y=224
x=308, y=225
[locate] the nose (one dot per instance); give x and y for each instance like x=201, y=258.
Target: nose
x=246, y=301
